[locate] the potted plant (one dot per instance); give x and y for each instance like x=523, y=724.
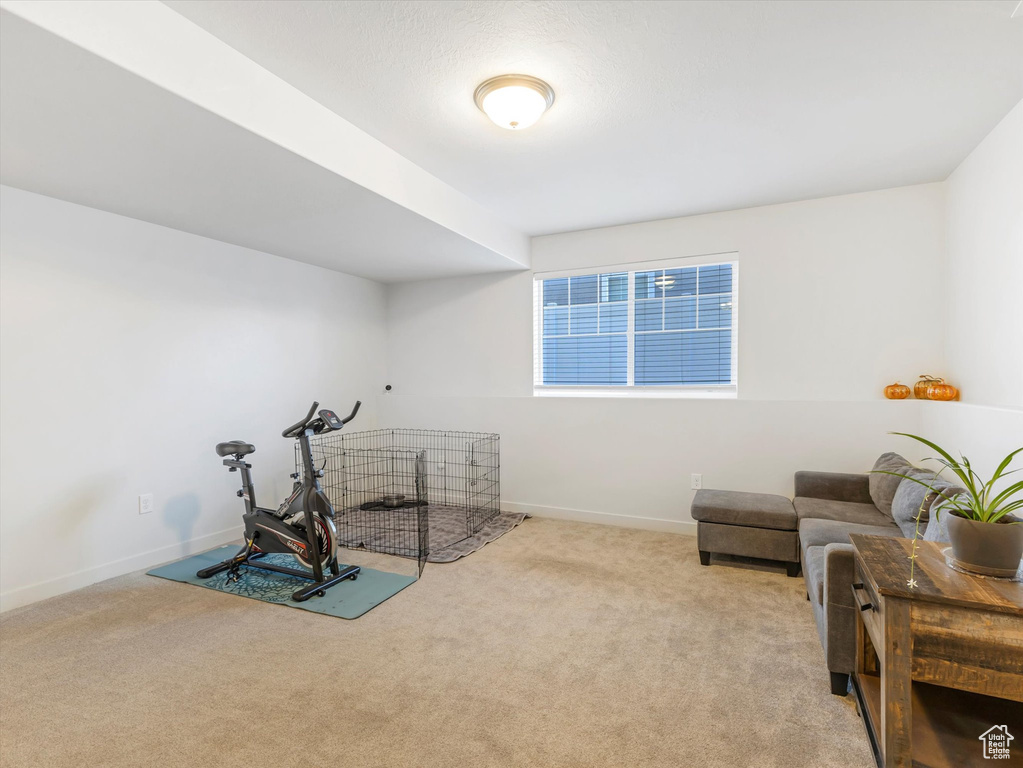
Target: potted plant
x=986, y=537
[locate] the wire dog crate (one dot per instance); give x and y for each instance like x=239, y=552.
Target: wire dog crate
x=407, y=492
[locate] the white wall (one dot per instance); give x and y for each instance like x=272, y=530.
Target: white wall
x=628, y=462
x=127, y=352
x=985, y=435
x=833, y=299
x=984, y=307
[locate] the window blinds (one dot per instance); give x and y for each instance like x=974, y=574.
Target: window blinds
x=663, y=327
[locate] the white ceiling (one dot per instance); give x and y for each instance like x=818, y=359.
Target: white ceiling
x=75, y=126
x=663, y=109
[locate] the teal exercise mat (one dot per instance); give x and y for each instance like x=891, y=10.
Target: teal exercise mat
x=347, y=600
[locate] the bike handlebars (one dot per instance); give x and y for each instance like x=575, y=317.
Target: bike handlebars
x=299, y=427
x=355, y=410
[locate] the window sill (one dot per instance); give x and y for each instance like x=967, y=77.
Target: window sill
x=641, y=393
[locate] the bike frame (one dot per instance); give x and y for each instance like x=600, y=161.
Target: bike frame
x=312, y=487
x=312, y=495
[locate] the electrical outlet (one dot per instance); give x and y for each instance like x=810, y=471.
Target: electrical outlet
x=697, y=483
x=145, y=503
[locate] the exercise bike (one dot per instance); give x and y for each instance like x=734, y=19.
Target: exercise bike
x=302, y=526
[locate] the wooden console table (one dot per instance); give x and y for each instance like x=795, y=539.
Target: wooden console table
x=939, y=664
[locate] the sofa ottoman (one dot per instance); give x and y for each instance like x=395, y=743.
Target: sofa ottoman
x=759, y=525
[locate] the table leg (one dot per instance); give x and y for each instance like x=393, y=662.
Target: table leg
x=866, y=658
x=896, y=685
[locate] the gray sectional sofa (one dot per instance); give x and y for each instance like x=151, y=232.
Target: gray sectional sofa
x=826, y=508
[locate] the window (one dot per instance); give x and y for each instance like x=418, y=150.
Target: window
x=664, y=328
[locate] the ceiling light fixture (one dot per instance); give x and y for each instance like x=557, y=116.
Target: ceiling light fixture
x=514, y=101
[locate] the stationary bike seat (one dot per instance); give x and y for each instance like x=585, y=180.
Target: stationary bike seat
x=235, y=448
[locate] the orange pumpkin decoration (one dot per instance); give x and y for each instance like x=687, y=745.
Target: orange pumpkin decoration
x=920, y=390
x=896, y=391
x=942, y=391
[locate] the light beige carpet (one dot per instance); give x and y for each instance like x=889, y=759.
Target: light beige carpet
x=560, y=644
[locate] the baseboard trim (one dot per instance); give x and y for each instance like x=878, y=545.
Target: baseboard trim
x=32, y=593
x=685, y=528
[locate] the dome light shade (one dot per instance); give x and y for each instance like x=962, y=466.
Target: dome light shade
x=514, y=101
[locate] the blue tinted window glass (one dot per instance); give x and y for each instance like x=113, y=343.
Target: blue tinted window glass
x=699, y=357
x=555, y=292
x=648, y=315
x=680, y=314
x=586, y=360
x=645, y=287
x=614, y=286
x=716, y=279
x=707, y=357
x=716, y=311
x=682, y=319
x=584, y=320
x=583, y=289
x=658, y=359
x=680, y=282
x=555, y=321
x=614, y=318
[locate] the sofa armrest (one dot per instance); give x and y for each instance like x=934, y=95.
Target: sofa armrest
x=839, y=574
x=834, y=486
x=838, y=632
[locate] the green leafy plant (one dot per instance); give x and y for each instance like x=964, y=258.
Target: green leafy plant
x=978, y=500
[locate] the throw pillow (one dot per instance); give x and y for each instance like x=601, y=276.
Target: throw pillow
x=883, y=487
x=937, y=528
x=912, y=499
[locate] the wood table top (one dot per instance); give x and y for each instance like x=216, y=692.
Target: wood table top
x=886, y=560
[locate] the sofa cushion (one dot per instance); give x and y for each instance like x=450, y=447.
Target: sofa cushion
x=847, y=511
x=840, y=486
x=813, y=570
x=882, y=486
x=937, y=528
x=754, y=510
x=913, y=499
x=818, y=532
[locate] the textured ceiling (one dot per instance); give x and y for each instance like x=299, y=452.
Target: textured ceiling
x=663, y=109
x=76, y=127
